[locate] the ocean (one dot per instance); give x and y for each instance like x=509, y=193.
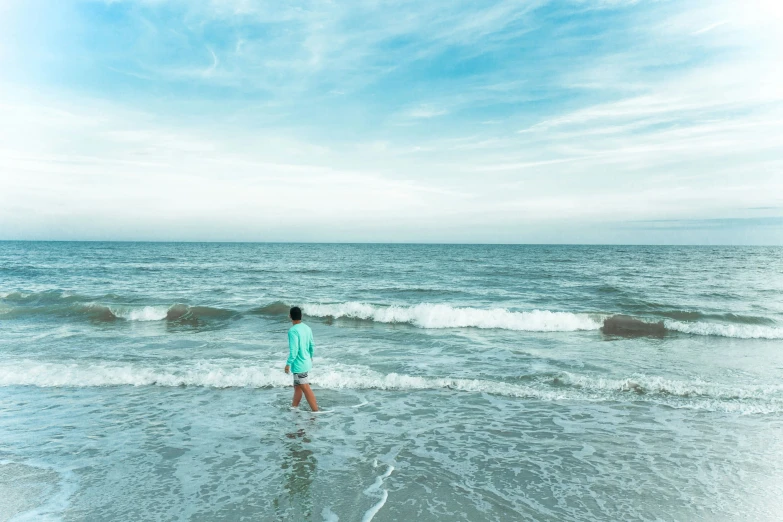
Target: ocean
x=144, y=381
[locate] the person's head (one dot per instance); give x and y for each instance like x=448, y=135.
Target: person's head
x=295, y=313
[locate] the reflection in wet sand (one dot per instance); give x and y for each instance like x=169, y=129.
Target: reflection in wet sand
x=299, y=467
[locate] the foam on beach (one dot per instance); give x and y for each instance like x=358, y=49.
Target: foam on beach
x=564, y=387
x=375, y=487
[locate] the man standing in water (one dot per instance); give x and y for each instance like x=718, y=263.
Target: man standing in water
x=300, y=358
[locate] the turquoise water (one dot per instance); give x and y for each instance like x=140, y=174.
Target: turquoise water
x=144, y=381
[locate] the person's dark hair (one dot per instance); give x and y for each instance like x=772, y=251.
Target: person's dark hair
x=296, y=313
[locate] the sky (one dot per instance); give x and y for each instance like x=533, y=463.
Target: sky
x=581, y=121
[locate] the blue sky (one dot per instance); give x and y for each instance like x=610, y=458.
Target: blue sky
x=603, y=121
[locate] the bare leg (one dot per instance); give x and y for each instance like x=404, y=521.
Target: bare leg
x=297, y=396
x=309, y=395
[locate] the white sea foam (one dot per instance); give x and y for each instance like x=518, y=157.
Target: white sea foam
x=426, y=315
x=147, y=313
x=377, y=507
x=212, y=375
x=117, y=374
x=739, y=331
x=652, y=384
x=568, y=387
x=329, y=515
x=370, y=513
x=52, y=506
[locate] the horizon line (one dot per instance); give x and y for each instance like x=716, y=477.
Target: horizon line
x=385, y=243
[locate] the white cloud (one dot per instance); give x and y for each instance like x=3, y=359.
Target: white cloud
x=632, y=133
x=425, y=112
x=710, y=27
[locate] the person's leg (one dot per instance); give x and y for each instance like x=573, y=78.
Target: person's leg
x=297, y=396
x=309, y=395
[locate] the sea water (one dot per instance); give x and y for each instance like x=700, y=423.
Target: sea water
x=144, y=381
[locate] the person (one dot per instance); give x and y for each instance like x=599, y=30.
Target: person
x=300, y=358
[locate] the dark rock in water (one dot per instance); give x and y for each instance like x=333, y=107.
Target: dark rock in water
x=276, y=308
x=627, y=326
x=177, y=311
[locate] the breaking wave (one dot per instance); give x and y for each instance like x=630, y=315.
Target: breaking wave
x=63, y=304
x=565, y=387
x=424, y=315
x=176, y=312
x=738, y=331
x=146, y=313
x=655, y=385
x=427, y=315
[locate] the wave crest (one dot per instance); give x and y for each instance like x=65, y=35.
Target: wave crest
x=565, y=387
x=276, y=308
x=436, y=316
x=61, y=304
x=426, y=315
x=655, y=385
x=112, y=307
x=737, y=331
x=176, y=312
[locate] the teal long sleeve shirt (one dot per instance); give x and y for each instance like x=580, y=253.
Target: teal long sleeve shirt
x=300, y=348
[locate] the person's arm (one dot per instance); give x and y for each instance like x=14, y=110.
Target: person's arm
x=293, y=349
x=312, y=346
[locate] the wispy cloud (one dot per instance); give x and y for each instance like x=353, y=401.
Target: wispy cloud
x=425, y=112
x=211, y=69
x=453, y=114
x=700, y=224
x=710, y=27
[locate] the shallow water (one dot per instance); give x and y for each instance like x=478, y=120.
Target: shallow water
x=145, y=380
